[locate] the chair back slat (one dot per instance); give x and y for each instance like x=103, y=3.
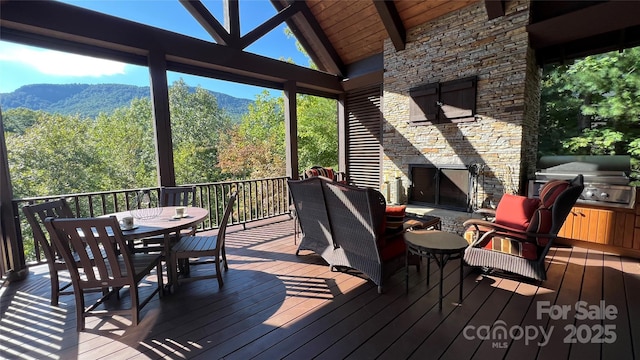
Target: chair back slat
x=225, y=219
x=89, y=236
x=178, y=196
x=36, y=214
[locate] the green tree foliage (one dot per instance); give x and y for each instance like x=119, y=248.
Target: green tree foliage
x=317, y=132
x=19, y=119
x=53, y=154
x=196, y=124
x=592, y=107
x=125, y=139
x=256, y=147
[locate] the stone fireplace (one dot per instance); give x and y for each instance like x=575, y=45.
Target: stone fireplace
x=466, y=156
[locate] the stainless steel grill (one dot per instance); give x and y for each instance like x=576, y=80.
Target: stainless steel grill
x=606, y=178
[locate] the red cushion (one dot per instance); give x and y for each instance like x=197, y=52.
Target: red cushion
x=515, y=211
x=393, y=248
x=551, y=190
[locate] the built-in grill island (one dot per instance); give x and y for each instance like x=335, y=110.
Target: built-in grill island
x=606, y=178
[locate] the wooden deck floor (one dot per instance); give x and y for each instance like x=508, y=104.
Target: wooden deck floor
x=278, y=305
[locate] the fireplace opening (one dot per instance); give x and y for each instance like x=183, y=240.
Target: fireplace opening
x=440, y=186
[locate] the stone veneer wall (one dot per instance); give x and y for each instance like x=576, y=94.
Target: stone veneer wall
x=503, y=138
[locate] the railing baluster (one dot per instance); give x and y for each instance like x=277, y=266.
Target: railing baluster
x=257, y=199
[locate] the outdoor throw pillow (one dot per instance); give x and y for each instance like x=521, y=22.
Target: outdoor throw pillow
x=320, y=171
x=394, y=216
x=551, y=190
x=515, y=211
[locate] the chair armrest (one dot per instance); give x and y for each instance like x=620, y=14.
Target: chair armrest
x=493, y=229
x=486, y=213
x=493, y=226
x=496, y=229
x=478, y=223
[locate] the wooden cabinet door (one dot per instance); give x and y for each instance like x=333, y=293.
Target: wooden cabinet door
x=586, y=224
x=601, y=226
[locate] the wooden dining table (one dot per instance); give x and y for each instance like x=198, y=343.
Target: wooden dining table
x=165, y=224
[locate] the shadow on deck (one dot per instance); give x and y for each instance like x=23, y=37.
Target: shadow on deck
x=278, y=305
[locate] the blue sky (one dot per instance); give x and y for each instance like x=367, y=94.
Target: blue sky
x=22, y=65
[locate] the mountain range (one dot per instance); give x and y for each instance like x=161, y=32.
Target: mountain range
x=91, y=100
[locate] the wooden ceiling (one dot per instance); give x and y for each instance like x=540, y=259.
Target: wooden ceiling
x=345, y=39
x=356, y=30
x=339, y=34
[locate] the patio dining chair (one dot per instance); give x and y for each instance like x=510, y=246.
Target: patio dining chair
x=36, y=214
x=171, y=196
x=115, y=269
x=202, y=246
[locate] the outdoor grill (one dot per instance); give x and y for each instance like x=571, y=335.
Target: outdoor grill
x=606, y=178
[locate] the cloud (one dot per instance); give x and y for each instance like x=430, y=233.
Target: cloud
x=58, y=63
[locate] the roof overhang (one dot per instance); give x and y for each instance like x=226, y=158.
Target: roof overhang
x=60, y=26
x=595, y=28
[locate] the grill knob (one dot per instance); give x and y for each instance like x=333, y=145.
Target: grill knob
x=604, y=195
x=589, y=193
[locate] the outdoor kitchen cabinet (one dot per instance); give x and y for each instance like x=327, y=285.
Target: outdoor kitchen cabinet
x=608, y=229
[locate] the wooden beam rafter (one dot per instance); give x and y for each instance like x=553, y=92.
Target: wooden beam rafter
x=392, y=22
x=270, y=24
x=208, y=21
x=55, y=24
x=584, y=23
x=313, y=39
x=232, y=20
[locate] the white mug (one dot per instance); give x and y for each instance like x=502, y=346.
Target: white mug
x=127, y=222
x=180, y=211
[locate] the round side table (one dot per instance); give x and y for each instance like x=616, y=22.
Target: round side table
x=438, y=245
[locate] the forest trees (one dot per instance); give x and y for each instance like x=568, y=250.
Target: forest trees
x=592, y=107
x=52, y=154
x=255, y=148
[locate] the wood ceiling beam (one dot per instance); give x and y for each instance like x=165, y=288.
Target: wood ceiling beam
x=495, y=8
x=232, y=19
x=208, y=21
x=392, y=22
x=591, y=21
x=270, y=24
x=313, y=39
x=78, y=28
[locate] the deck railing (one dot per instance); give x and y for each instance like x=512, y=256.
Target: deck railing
x=258, y=199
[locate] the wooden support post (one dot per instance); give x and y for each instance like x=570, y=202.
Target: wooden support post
x=12, y=260
x=162, y=119
x=291, y=128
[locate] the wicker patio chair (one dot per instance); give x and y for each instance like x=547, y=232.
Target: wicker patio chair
x=519, y=238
